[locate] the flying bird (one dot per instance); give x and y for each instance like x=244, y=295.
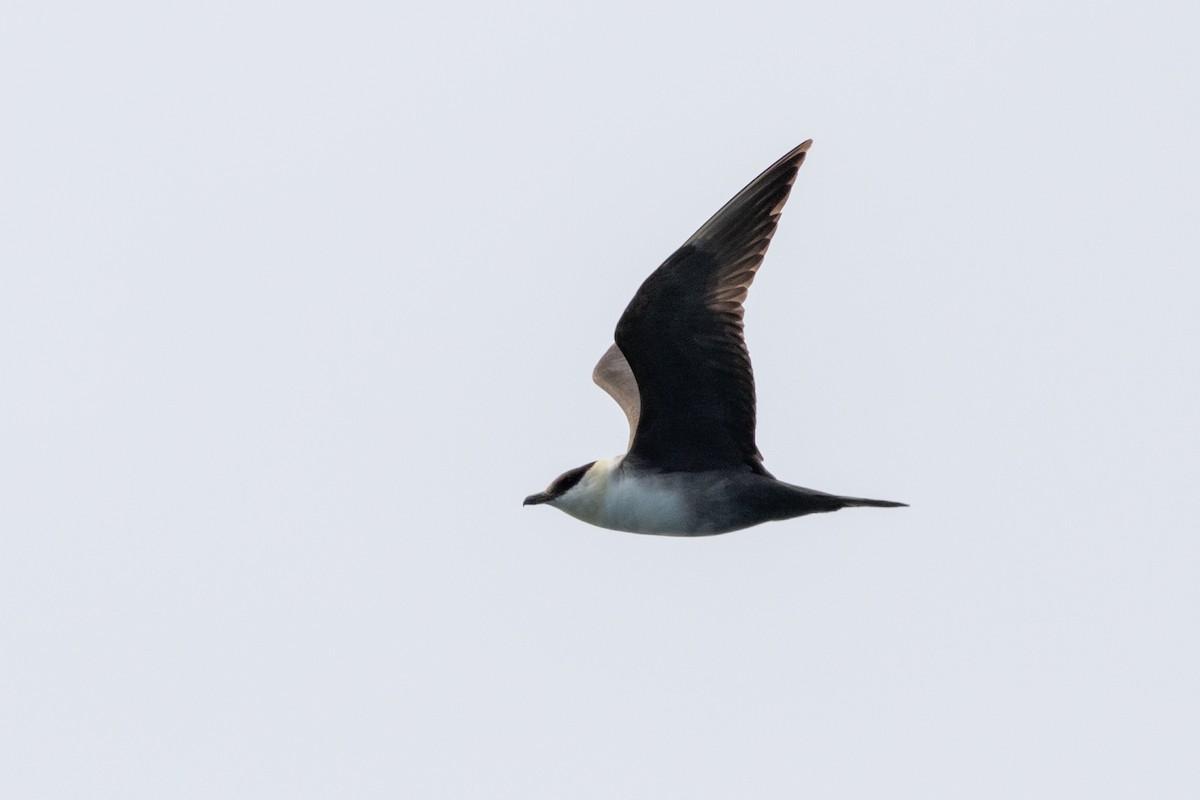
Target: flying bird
x=680, y=370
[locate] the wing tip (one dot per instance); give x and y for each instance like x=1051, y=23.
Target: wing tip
x=796, y=153
x=776, y=179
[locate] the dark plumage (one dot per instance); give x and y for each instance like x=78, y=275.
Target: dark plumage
x=681, y=372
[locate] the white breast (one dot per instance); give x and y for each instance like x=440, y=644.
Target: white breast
x=622, y=501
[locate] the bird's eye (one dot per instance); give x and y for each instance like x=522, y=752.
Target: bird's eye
x=568, y=479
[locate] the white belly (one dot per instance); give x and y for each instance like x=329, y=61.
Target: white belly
x=623, y=502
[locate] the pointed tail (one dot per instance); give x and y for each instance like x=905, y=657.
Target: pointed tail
x=862, y=501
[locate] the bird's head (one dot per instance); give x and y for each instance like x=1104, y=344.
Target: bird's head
x=560, y=486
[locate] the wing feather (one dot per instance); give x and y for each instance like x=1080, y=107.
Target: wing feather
x=613, y=375
x=682, y=336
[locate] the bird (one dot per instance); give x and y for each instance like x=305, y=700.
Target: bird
x=680, y=370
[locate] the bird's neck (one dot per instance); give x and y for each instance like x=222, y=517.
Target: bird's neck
x=585, y=500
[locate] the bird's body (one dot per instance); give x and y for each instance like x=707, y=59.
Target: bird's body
x=680, y=370
x=689, y=503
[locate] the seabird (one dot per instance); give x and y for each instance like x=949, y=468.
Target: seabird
x=680, y=370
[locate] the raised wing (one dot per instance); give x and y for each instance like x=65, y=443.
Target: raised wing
x=613, y=375
x=682, y=336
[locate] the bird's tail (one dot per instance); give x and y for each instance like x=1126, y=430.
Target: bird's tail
x=862, y=501
x=780, y=500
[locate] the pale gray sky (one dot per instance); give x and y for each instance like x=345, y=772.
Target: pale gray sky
x=299, y=302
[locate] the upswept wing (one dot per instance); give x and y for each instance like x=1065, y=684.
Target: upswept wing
x=682, y=336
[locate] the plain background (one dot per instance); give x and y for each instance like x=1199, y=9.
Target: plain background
x=299, y=301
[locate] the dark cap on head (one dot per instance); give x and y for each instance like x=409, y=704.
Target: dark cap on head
x=560, y=486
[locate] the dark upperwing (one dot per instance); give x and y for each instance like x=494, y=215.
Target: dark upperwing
x=682, y=336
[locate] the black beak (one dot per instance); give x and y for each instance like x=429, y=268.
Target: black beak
x=535, y=499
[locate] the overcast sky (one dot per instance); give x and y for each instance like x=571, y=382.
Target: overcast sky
x=297, y=303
